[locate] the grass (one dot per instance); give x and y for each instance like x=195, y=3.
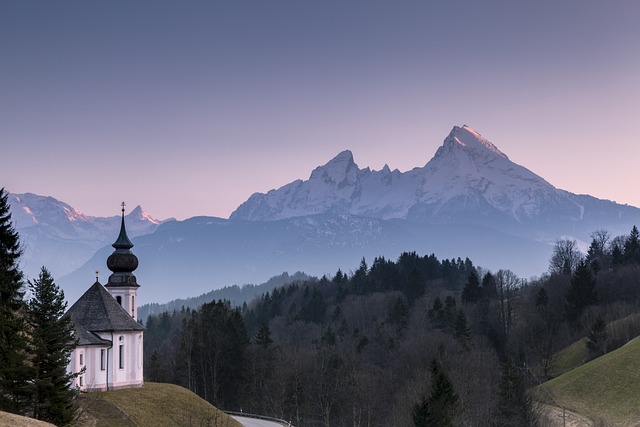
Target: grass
x=570, y=357
x=154, y=404
x=7, y=419
x=621, y=330
x=606, y=389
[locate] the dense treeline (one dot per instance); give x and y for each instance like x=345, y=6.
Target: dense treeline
x=36, y=340
x=403, y=342
x=237, y=295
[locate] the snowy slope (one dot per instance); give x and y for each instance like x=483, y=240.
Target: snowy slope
x=60, y=237
x=468, y=179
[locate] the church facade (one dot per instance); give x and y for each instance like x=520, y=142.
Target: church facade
x=109, y=354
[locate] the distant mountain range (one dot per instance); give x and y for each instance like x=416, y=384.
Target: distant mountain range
x=469, y=200
x=62, y=238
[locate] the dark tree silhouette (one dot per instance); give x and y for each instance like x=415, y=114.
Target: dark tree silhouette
x=14, y=370
x=581, y=294
x=441, y=406
x=52, y=342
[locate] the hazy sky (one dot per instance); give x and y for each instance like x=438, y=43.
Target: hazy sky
x=188, y=107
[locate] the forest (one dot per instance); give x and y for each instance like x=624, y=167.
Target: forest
x=415, y=341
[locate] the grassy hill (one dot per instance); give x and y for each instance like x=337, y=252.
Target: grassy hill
x=154, y=404
x=619, y=331
x=7, y=419
x=606, y=389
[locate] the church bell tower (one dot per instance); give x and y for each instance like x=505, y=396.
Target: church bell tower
x=122, y=262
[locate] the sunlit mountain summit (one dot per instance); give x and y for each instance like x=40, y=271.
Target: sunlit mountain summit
x=468, y=180
x=469, y=200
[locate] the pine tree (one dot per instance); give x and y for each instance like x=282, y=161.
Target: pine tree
x=440, y=407
x=597, y=338
x=263, y=337
x=632, y=246
x=13, y=349
x=461, y=328
x=514, y=406
x=472, y=292
x=52, y=342
x=582, y=292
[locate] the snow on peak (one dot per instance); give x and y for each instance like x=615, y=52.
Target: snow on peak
x=138, y=213
x=466, y=138
x=340, y=170
x=467, y=174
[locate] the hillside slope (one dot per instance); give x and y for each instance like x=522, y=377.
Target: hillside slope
x=154, y=404
x=13, y=420
x=606, y=389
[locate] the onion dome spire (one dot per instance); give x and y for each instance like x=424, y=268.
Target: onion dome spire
x=122, y=242
x=122, y=262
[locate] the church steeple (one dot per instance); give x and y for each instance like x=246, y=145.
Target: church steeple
x=123, y=241
x=122, y=284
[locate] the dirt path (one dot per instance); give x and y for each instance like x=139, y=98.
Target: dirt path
x=552, y=416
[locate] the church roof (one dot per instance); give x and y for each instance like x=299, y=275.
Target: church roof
x=89, y=338
x=97, y=311
x=122, y=242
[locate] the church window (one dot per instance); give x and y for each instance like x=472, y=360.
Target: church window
x=81, y=359
x=119, y=299
x=121, y=356
x=133, y=314
x=81, y=381
x=103, y=361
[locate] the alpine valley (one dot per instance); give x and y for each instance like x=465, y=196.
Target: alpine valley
x=469, y=200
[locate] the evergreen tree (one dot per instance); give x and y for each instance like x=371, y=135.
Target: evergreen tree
x=514, y=406
x=542, y=299
x=472, y=292
x=52, y=342
x=263, y=337
x=436, y=313
x=597, y=338
x=461, y=328
x=14, y=371
x=440, y=407
x=632, y=246
x=581, y=294
x=399, y=315
x=489, y=288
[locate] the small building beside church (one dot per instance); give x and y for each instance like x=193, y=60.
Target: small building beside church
x=110, y=340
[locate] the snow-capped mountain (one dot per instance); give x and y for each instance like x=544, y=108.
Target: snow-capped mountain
x=62, y=238
x=469, y=200
x=469, y=180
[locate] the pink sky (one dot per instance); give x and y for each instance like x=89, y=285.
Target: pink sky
x=187, y=109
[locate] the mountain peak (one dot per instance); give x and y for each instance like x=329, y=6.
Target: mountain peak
x=468, y=139
x=139, y=214
x=339, y=170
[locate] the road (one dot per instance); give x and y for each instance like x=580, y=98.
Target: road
x=252, y=422
x=552, y=416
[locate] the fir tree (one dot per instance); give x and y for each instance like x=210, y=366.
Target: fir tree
x=514, y=406
x=440, y=407
x=489, y=288
x=597, y=338
x=632, y=246
x=52, y=342
x=461, y=328
x=14, y=371
x=263, y=337
x=472, y=292
x=582, y=292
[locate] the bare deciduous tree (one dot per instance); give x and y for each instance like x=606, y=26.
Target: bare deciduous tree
x=565, y=258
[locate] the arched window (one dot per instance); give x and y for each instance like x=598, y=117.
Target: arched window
x=121, y=352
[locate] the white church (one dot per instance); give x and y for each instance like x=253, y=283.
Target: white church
x=110, y=339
